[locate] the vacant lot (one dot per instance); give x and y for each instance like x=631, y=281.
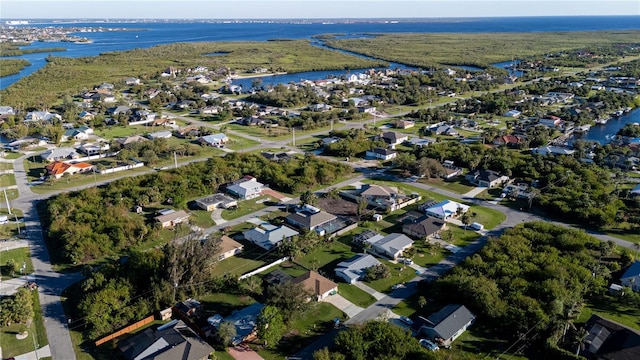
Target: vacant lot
x=338, y=206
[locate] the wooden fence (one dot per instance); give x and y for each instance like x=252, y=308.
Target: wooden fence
x=125, y=330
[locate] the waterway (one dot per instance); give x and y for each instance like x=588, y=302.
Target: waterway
x=604, y=133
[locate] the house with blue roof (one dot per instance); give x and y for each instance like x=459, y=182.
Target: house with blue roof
x=631, y=277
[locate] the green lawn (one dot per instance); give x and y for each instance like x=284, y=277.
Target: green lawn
x=12, y=155
x=21, y=256
x=355, y=295
x=7, y=180
x=9, y=166
x=223, y=303
x=251, y=258
x=37, y=334
x=325, y=258
x=246, y=207
x=201, y=218
x=240, y=143
x=427, y=254
x=399, y=274
x=611, y=308
x=117, y=131
x=457, y=186
x=462, y=237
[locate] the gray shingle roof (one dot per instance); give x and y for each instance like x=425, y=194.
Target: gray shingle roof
x=354, y=267
x=450, y=319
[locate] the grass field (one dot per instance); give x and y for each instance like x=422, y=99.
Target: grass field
x=399, y=274
x=355, y=295
x=251, y=258
x=457, y=186
x=246, y=207
x=239, y=143
x=611, y=308
x=426, y=50
x=7, y=180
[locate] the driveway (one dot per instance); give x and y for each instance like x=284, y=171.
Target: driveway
x=344, y=305
x=244, y=352
x=475, y=191
x=35, y=355
x=371, y=291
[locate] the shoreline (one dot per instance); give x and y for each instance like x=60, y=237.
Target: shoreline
x=257, y=75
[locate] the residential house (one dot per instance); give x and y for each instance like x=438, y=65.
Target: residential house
x=122, y=109
x=132, y=81
x=551, y=121
x=394, y=138
x=81, y=133
x=245, y=321
x=215, y=140
x=444, y=130
x=171, y=219
x=509, y=140
x=419, y=142
x=252, y=121
x=404, y=124
x=189, y=307
x=391, y=246
x=609, y=340
x=318, y=285
x=41, y=116
x=446, y=325
x=159, y=135
x=446, y=209
x=382, y=154
x=58, y=169
x=6, y=110
x=268, y=236
x=319, y=107
x=56, y=154
x=229, y=247
x=86, y=116
x=310, y=218
x=631, y=277
x=174, y=340
x=512, y=113
x=486, y=178
x=387, y=198
x=450, y=170
x=90, y=149
x=216, y=201
x=355, y=268
x=130, y=140
x=553, y=150
x=367, y=109
x=246, y=188
x=424, y=227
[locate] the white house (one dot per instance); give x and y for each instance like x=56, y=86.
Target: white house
x=215, y=140
x=391, y=246
x=59, y=154
x=446, y=209
x=267, y=236
x=382, y=154
x=355, y=268
x=246, y=188
x=631, y=277
x=394, y=138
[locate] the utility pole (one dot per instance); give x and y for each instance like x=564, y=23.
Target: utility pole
x=293, y=130
x=6, y=198
x=175, y=160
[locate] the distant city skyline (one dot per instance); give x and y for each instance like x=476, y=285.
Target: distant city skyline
x=307, y=9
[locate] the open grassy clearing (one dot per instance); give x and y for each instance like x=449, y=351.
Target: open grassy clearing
x=7, y=180
x=246, y=207
x=611, y=308
x=457, y=186
x=426, y=50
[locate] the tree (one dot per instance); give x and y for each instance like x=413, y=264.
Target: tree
x=270, y=325
x=308, y=198
x=375, y=340
x=465, y=218
x=227, y=332
x=252, y=285
x=361, y=210
x=422, y=302
x=13, y=266
x=17, y=308
x=376, y=272
x=290, y=298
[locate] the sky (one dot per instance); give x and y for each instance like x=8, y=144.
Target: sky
x=307, y=9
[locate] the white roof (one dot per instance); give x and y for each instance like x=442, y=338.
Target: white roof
x=269, y=236
x=446, y=208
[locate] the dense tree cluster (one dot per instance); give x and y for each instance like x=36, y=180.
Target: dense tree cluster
x=17, y=308
x=534, y=277
x=352, y=143
x=89, y=224
x=374, y=340
x=285, y=96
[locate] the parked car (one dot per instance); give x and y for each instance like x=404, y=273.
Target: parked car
x=397, y=286
x=406, y=261
x=406, y=320
x=429, y=345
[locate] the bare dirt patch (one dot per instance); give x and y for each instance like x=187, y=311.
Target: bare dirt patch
x=338, y=206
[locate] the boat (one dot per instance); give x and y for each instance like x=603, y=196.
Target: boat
x=618, y=113
x=602, y=120
x=582, y=128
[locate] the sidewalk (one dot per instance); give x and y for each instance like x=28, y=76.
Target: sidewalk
x=13, y=244
x=35, y=355
x=9, y=287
